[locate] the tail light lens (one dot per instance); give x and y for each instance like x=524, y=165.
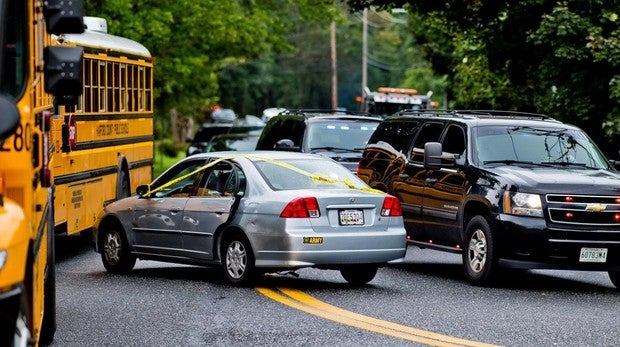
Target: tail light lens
x=301, y=208
x=391, y=207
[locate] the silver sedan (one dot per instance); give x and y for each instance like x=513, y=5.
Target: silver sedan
x=253, y=213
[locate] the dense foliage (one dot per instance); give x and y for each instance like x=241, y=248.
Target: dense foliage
x=555, y=57
x=192, y=40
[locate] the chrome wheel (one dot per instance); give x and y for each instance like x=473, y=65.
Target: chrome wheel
x=236, y=260
x=477, y=251
x=115, y=253
x=112, y=247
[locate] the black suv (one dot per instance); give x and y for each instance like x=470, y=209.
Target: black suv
x=504, y=189
x=340, y=135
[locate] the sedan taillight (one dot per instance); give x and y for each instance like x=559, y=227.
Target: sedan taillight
x=301, y=208
x=391, y=207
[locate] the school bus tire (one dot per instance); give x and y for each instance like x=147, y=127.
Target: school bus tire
x=22, y=327
x=48, y=328
x=115, y=253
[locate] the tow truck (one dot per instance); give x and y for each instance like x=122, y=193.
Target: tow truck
x=387, y=101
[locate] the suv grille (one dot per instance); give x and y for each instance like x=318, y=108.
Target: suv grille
x=584, y=209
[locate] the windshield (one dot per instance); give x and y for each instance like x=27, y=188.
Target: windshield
x=537, y=145
x=14, y=48
x=235, y=143
x=307, y=174
x=339, y=135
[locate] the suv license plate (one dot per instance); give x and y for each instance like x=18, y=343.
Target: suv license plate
x=593, y=255
x=351, y=217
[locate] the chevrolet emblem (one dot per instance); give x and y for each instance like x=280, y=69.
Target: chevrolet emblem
x=596, y=207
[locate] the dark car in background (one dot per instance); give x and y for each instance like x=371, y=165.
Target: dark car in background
x=233, y=142
x=208, y=130
x=339, y=135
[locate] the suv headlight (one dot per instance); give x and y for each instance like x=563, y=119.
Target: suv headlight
x=522, y=204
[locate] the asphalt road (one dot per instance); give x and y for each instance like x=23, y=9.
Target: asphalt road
x=422, y=302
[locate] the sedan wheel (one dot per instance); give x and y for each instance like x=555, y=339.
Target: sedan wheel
x=479, y=256
x=238, y=260
x=359, y=275
x=115, y=253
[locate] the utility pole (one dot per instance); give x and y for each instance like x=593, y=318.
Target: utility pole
x=364, y=51
x=332, y=29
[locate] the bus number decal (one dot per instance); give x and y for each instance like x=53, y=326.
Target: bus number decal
x=21, y=139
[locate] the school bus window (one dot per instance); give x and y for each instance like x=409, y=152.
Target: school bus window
x=147, y=89
x=116, y=87
x=110, y=87
x=102, y=86
x=87, y=85
x=123, y=99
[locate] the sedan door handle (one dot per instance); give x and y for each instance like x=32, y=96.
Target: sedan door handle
x=175, y=210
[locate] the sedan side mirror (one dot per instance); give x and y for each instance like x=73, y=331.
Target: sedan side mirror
x=143, y=191
x=286, y=145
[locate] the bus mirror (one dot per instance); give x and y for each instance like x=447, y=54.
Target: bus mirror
x=63, y=73
x=64, y=17
x=9, y=117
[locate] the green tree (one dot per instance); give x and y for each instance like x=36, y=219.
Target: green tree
x=192, y=40
x=555, y=57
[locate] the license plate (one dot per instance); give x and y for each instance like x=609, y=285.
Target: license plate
x=314, y=240
x=593, y=255
x=351, y=217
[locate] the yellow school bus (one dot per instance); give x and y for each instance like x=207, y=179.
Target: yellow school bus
x=34, y=73
x=104, y=144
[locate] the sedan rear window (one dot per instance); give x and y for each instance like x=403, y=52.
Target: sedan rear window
x=306, y=174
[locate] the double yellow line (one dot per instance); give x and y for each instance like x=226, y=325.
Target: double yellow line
x=304, y=302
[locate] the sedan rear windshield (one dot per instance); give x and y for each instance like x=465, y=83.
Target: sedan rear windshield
x=307, y=174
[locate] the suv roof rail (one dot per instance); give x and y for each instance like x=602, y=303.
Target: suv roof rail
x=477, y=113
x=306, y=111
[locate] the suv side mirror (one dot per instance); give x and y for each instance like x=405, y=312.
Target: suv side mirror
x=285, y=145
x=432, y=155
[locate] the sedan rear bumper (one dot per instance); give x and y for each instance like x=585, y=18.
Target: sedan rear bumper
x=296, y=251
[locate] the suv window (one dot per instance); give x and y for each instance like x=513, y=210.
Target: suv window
x=454, y=140
x=429, y=132
x=282, y=127
x=397, y=134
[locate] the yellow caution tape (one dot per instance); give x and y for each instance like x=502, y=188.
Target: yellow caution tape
x=316, y=177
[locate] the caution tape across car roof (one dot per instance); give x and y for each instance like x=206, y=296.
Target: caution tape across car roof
x=316, y=177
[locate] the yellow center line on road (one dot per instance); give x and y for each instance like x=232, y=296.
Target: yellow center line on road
x=304, y=302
